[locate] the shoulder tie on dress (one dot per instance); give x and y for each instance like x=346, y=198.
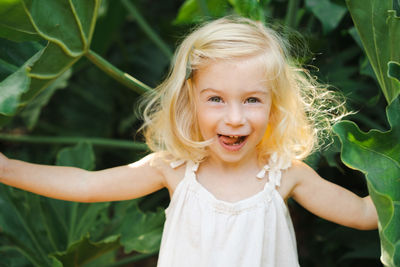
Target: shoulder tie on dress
x=274, y=168
x=177, y=163
x=191, y=167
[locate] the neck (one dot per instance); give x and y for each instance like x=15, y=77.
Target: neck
x=232, y=167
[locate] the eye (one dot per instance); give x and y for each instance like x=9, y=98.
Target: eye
x=252, y=100
x=215, y=99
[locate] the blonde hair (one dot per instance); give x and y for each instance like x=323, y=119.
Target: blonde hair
x=302, y=110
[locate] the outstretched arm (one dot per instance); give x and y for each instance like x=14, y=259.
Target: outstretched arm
x=332, y=202
x=68, y=183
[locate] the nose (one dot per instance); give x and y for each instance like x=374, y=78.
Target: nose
x=235, y=115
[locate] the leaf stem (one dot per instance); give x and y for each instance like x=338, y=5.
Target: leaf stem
x=147, y=29
x=291, y=13
x=73, y=140
x=122, y=77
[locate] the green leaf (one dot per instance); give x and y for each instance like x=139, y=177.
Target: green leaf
x=80, y=156
x=66, y=26
x=396, y=6
x=31, y=112
x=14, y=24
x=108, y=27
x=11, y=90
x=194, y=11
x=140, y=231
x=378, y=27
x=249, y=8
x=377, y=155
x=365, y=65
x=84, y=251
x=189, y=12
x=22, y=224
x=394, y=70
x=14, y=55
x=56, y=262
x=328, y=13
x=38, y=226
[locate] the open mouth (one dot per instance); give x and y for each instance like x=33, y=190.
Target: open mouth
x=232, y=140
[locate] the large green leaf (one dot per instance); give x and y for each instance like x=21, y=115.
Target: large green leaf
x=66, y=26
x=249, y=8
x=31, y=112
x=327, y=12
x=11, y=89
x=377, y=155
x=37, y=226
x=14, y=23
x=394, y=71
x=379, y=29
x=84, y=251
x=80, y=156
x=22, y=225
x=193, y=11
x=14, y=55
x=140, y=231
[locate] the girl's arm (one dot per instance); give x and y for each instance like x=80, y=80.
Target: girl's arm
x=68, y=183
x=330, y=201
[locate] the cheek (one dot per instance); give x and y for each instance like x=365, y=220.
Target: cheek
x=260, y=120
x=206, y=122
x=260, y=116
x=262, y=123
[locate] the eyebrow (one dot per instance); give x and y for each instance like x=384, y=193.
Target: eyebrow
x=247, y=93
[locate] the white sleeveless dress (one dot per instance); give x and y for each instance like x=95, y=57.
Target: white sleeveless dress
x=202, y=231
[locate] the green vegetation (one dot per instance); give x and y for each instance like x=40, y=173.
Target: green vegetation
x=377, y=153
x=63, y=100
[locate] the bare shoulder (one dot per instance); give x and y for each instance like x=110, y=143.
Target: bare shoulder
x=299, y=168
x=162, y=164
x=293, y=176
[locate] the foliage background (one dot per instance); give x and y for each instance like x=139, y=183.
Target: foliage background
x=85, y=103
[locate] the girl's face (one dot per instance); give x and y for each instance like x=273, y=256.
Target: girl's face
x=233, y=105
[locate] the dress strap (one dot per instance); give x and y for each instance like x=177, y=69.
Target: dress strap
x=177, y=163
x=191, y=167
x=274, y=169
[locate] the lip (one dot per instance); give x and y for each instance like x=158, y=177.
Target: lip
x=232, y=148
x=230, y=134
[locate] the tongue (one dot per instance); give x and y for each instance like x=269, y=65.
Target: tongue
x=228, y=140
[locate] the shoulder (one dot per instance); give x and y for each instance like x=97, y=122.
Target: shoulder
x=294, y=176
x=298, y=169
x=161, y=163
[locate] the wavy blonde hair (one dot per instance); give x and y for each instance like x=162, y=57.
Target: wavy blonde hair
x=302, y=110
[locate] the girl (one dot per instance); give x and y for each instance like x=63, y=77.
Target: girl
x=229, y=128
